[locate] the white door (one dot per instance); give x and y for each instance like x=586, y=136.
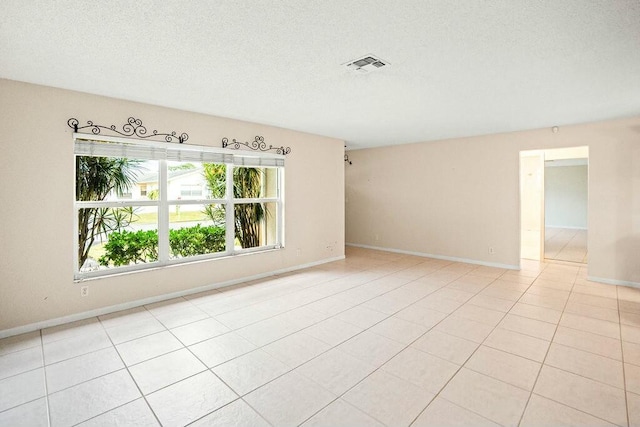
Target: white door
x=532, y=204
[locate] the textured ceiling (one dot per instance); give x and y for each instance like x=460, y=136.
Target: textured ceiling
x=458, y=68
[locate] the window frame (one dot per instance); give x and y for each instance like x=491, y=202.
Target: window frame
x=230, y=159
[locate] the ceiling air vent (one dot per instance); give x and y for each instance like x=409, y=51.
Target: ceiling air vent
x=366, y=64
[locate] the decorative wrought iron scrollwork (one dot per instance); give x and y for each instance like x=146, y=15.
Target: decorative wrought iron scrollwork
x=133, y=127
x=257, y=144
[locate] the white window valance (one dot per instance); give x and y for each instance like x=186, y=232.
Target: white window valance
x=89, y=145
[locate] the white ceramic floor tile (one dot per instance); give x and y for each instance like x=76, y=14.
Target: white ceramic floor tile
x=141, y=349
x=20, y=361
x=527, y=326
x=507, y=367
x=445, y=346
x=584, y=394
x=421, y=315
x=75, y=346
x=168, y=306
x=587, y=364
x=125, y=317
x=371, y=348
x=442, y=413
x=361, y=316
x=32, y=414
x=298, y=317
x=330, y=305
x=136, y=413
x=340, y=413
x=131, y=331
x=439, y=303
x=419, y=368
x=165, y=370
x=237, y=414
x=333, y=331
x=68, y=330
x=633, y=409
x=190, y=399
x=593, y=343
x=20, y=342
x=391, y=400
x=464, y=328
x=454, y=294
x=588, y=324
x=479, y=314
x=250, y=371
x=183, y=316
x=83, y=401
x=79, y=369
x=518, y=344
x=21, y=388
x=296, y=349
x=632, y=378
x=595, y=301
x=491, y=303
x=289, y=400
x=537, y=313
x=544, y=412
x=592, y=311
x=399, y=330
x=199, y=331
x=268, y=331
x=543, y=301
x=631, y=353
x=630, y=333
x=491, y=398
x=222, y=348
x=336, y=371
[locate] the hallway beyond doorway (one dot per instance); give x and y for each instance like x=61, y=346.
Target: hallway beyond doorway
x=565, y=244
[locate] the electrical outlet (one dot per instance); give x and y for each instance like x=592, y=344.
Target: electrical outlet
x=377, y=237
x=492, y=250
x=84, y=291
x=298, y=251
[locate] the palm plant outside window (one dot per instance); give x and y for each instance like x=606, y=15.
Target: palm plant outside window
x=134, y=211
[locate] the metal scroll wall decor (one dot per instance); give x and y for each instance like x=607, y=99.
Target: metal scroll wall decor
x=257, y=144
x=133, y=127
x=346, y=157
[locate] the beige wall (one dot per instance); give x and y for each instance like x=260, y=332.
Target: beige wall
x=36, y=216
x=455, y=198
x=565, y=195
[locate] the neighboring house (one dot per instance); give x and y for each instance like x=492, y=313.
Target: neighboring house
x=183, y=184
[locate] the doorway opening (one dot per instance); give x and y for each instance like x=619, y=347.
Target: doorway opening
x=553, y=204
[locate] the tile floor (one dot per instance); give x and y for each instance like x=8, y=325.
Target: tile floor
x=565, y=244
x=378, y=339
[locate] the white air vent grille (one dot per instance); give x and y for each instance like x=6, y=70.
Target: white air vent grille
x=366, y=64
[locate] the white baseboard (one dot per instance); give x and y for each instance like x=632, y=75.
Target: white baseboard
x=446, y=258
x=566, y=226
x=614, y=282
x=137, y=303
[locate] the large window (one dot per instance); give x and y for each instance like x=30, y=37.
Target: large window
x=141, y=205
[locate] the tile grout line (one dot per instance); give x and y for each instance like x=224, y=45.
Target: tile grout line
x=382, y=320
x=337, y=345
x=130, y=376
x=472, y=354
x=318, y=355
x=366, y=329
x=624, y=372
x=542, y=364
x=46, y=387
